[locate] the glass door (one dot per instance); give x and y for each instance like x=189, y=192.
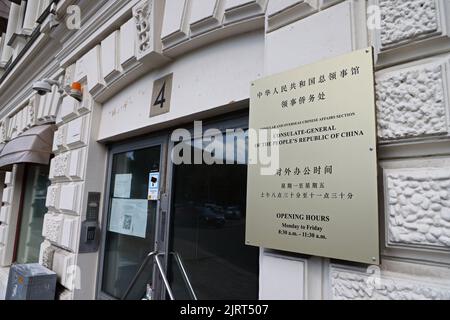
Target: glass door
x=130, y=230
x=207, y=223
x=195, y=230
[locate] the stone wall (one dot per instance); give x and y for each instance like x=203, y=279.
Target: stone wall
x=74, y=150
x=412, y=108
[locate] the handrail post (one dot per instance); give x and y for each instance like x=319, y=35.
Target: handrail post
x=163, y=276
x=136, y=277
x=160, y=268
x=184, y=273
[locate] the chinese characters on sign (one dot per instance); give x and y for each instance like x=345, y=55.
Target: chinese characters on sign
x=309, y=83
x=294, y=187
x=322, y=197
x=297, y=171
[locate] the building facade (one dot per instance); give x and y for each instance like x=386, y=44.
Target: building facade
x=76, y=174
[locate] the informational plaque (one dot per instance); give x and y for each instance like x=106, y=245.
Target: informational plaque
x=312, y=177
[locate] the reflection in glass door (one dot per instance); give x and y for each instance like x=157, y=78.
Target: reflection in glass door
x=130, y=230
x=33, y=211
x=208, y=231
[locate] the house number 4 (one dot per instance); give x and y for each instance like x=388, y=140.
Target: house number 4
x=161, y=97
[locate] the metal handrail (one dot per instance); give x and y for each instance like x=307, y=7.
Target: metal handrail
x=166, y=282
x=184, y=273
x=136, y=277
x=155, y=255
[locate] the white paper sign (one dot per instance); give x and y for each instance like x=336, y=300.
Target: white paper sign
x=122, y=185
x=129, y=217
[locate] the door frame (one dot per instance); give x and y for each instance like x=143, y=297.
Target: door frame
x=153, y=140
x=26, y=167
x=239, y=119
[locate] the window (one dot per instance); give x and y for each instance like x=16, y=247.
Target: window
x=32, y=213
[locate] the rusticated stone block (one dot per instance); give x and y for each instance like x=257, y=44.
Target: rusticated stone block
x=69, y=198
x=68, y=166
x=355, y=285
x=46, y=255
x=52, y=227
x=65, y=268
x=411, y=102
x=419, y=206
x=403, y=21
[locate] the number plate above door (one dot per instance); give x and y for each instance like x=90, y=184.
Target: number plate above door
x=162, y=92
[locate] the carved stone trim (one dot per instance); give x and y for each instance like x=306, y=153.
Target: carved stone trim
x=142, y=14
x=352, y=284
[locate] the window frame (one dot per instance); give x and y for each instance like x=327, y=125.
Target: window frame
x=18, y=231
